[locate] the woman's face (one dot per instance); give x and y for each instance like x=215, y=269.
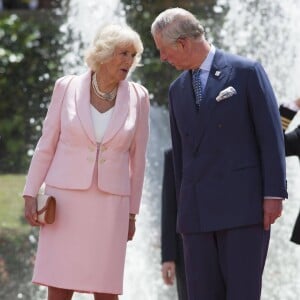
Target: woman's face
x=118, y=66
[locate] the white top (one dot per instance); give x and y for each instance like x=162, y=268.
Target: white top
x=100, y=122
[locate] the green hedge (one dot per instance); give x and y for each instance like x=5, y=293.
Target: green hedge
x=30, y=52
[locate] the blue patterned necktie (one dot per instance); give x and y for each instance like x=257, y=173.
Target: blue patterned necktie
x=197, y=87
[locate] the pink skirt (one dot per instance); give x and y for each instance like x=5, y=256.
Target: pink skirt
x=84, y=250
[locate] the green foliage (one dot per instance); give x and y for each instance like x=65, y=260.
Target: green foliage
x=141, y=13
x=30, y=53
x=17, y=242
x=11, y=202
x=16, y=263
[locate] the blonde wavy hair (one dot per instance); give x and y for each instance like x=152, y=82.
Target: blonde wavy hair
x=107, y=39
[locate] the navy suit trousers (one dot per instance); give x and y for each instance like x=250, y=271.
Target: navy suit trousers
x=226, y=264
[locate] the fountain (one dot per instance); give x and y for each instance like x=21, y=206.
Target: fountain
x=264, y=30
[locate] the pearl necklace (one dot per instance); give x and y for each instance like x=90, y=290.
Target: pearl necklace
x=110, y=96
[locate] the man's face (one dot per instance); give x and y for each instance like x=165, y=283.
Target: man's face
x=173, y=53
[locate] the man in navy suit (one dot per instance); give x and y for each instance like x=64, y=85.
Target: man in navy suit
x=171, y=242
x=229, y=160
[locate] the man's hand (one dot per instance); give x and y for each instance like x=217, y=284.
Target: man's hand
x=272, y=211
x=168, y=272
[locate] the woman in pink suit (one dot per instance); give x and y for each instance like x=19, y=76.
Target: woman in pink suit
x=91, y=157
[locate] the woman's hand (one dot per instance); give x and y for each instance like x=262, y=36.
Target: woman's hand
x=131, y=227
x=30, y=211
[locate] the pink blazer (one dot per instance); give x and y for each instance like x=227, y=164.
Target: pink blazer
x=66, y=153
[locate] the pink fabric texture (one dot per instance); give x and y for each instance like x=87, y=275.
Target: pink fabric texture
x=84, y=249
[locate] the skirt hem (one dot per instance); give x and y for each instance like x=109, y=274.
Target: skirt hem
x=84, y=291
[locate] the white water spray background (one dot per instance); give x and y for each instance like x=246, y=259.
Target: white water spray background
x=267, y=31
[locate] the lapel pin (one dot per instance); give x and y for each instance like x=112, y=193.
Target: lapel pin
x=217, y=73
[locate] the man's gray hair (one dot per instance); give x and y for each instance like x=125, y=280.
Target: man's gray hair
x=174, y=23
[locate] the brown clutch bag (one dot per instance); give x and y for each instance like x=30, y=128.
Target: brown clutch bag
x=46, y=206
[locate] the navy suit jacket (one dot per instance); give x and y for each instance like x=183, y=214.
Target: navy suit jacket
x=292, y=142
x=171, y=242
x=292, y=147
x=229, y=154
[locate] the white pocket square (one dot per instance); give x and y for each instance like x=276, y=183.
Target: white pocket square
x=224, y=94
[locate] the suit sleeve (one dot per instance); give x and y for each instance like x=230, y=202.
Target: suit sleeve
x=137, y=151
x=292, y=142
x=46, y=145
x=268, y=130
x=169, y=212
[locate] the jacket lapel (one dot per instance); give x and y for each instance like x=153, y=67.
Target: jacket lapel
x=218, y=77
x=82, y=98
x=120, y=111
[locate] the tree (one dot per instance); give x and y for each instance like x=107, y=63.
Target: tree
x=30, y=53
